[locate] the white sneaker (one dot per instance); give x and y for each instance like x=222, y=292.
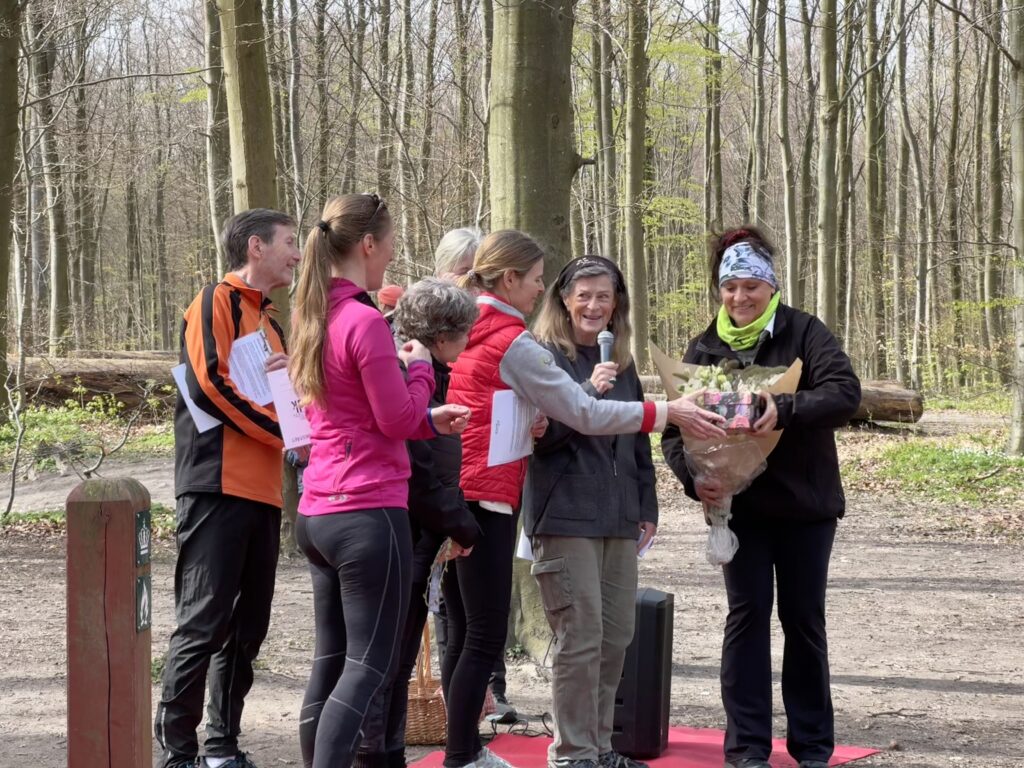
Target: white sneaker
x=487, y=759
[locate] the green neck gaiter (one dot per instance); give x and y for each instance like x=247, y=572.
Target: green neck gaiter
x=747, y=336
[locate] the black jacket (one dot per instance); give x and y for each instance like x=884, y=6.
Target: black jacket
x=590, y=486
x=435, y=499
x=802, y=479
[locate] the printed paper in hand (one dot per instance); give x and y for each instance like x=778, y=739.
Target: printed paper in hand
x=203, y=420
x=245, y=366
x=511, y=419
x=290, y=415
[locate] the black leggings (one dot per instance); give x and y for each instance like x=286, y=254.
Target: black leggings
x=477, y=592
x=384, y=727
x=359, y=562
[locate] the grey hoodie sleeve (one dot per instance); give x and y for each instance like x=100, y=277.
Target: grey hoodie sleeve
x=532, y=373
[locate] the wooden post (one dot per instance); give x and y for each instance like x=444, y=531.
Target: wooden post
x=109, y=609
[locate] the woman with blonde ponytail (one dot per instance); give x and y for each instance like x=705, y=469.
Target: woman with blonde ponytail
x=353, y=524
x=502, y=355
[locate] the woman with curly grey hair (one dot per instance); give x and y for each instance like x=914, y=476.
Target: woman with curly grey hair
x=439, y=315
x=435, y=311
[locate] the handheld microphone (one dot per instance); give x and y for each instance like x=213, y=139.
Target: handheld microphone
x=606, y=340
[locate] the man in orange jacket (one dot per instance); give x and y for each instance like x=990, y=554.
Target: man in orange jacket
x=227, y=480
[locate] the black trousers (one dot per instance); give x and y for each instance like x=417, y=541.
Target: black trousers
x=478, y=593
x=384, y=727
x=797, y=555
x=497, y=683
x=223, y=587
x=359, y=563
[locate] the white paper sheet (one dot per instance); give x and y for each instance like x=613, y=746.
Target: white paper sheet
x=511, y=419
x=245, y=366
x=290, y=415
x=524, y=549
x=203, y=420
x=646, y=548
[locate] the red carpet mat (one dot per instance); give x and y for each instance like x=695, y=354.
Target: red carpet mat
x=687, y=748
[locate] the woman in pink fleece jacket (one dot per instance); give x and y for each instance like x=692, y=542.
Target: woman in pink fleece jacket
x=353, y=524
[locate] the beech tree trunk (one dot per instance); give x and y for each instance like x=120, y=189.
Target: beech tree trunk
x=875, y=184
x=1016, y=34
x=993, y=255
x=759, y=144
x=532, y=162
x=254, y=170
x=636, y=157
x=294, y=128
x=250, y=116
x=796, y=276
x=348, y=179
x=10, y=30
x=827, y=202
x=383, y=155
x=953, y=204
x=788, y=170
x=712, y=126
x=218, y=141
x=42, y=57
x=607, y=164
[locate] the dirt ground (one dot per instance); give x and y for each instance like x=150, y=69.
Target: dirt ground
x=925, y=630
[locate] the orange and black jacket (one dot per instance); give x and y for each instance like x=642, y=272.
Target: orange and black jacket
x=242, y=455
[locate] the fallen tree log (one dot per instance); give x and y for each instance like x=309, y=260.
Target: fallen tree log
x=52, y=381
x=879, y=400
x=888, y=401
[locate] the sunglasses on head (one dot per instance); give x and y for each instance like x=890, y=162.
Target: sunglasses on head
x=570, y=270
x=378, y=205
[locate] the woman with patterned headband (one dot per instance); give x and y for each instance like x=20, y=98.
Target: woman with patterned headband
x=786, y=520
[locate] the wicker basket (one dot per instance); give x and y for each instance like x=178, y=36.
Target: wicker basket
x=427, y=720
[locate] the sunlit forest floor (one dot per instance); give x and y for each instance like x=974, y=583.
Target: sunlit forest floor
x=924, y=606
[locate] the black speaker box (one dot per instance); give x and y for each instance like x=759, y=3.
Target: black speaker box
x=642, y=701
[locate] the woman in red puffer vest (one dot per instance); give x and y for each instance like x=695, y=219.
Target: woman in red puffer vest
x=507, y=275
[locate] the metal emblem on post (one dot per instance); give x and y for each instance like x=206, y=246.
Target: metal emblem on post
x=143, y=536
x=143, y=603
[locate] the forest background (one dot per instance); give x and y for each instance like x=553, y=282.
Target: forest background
x=879, y=143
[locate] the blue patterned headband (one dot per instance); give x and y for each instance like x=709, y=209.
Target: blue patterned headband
x=743, y=261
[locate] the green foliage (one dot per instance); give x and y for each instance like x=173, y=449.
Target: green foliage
x=516, y=652
x=80, y=428
x=997, y=402
x=681, y=211
x=156, y=668
x=196, y=95
x=976, y=473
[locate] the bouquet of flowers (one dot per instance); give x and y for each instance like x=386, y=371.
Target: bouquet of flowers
x=736, y=460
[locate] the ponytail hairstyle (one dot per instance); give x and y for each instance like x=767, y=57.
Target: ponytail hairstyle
x=718, y=242
x=346, y=220
x=499, y=252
